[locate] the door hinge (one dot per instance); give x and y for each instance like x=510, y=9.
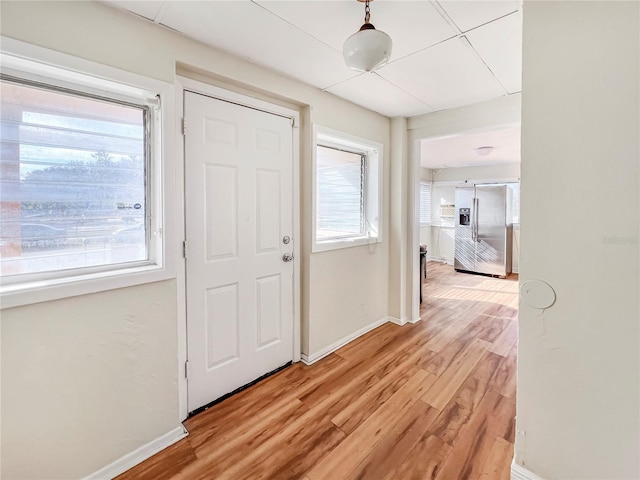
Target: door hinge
x=184, y=249
x=184, y=126
x=186, y=369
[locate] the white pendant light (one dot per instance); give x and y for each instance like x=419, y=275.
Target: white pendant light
x=368, y=48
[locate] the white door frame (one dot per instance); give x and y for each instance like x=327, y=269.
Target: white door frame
x=244, y=100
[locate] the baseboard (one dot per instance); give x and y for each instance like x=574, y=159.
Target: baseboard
x=448, y=261
x=397, y=321
x=314, y=357
x=518, y=472
x=132, y=459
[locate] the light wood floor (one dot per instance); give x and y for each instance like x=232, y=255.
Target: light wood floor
x=435, y=399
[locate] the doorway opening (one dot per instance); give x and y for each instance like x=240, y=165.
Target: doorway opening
x=468, y=210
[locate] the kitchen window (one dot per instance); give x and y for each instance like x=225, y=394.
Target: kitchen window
x=425, y=203
x=346, y=191
x=515, y=202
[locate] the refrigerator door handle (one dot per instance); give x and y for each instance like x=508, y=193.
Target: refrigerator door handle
x=474, y=221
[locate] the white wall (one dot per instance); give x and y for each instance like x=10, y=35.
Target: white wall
x=488, y=173
x=88, y=379
x=578, y=400
x=399, y=306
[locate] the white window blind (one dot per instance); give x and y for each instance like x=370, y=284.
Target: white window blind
x=73, y=181
x=339, y=194
x=425, y=203
x=515, y=204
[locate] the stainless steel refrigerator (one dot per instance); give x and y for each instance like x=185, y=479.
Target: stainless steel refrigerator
x=483, y=232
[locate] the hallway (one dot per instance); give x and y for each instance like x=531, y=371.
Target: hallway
x=435, y=399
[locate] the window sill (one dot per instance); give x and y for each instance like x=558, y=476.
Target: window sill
x=343, y=243
x=46, y=290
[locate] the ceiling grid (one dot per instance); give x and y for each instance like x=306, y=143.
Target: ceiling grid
x=428, y=71
x=446, y=53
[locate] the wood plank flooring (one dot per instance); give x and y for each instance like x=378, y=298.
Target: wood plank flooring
x=432, y=400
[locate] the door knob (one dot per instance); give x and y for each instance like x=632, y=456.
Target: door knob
x=287, y=257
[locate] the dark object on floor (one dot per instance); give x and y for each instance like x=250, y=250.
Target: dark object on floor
x=423, y=266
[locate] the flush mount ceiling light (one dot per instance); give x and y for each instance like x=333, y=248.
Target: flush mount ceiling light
x=483, y=151
x=368, y=48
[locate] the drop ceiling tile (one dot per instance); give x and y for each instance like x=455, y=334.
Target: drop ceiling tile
x=331, y=22
x=377, y=94
x=411, y=25
x=447, y=75
x=147, y=9
x=499, y=44
x=249, y=31
x=470, y=14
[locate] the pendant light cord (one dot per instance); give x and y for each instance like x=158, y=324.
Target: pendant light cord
x=367, y=12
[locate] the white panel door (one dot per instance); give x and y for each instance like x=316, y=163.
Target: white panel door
x=238, y=185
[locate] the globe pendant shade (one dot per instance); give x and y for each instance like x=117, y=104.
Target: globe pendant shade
x=367, y=50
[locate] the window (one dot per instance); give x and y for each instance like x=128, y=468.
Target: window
x=425, y=203
x=340, y=203
x=73, y=177
x=515, y=202
x=346, y=198
x=82, y=198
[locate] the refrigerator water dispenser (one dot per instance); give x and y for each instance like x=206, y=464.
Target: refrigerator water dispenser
x=465, y=216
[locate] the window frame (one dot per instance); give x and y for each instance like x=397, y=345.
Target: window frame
x=60, y=71
x=372, y=188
